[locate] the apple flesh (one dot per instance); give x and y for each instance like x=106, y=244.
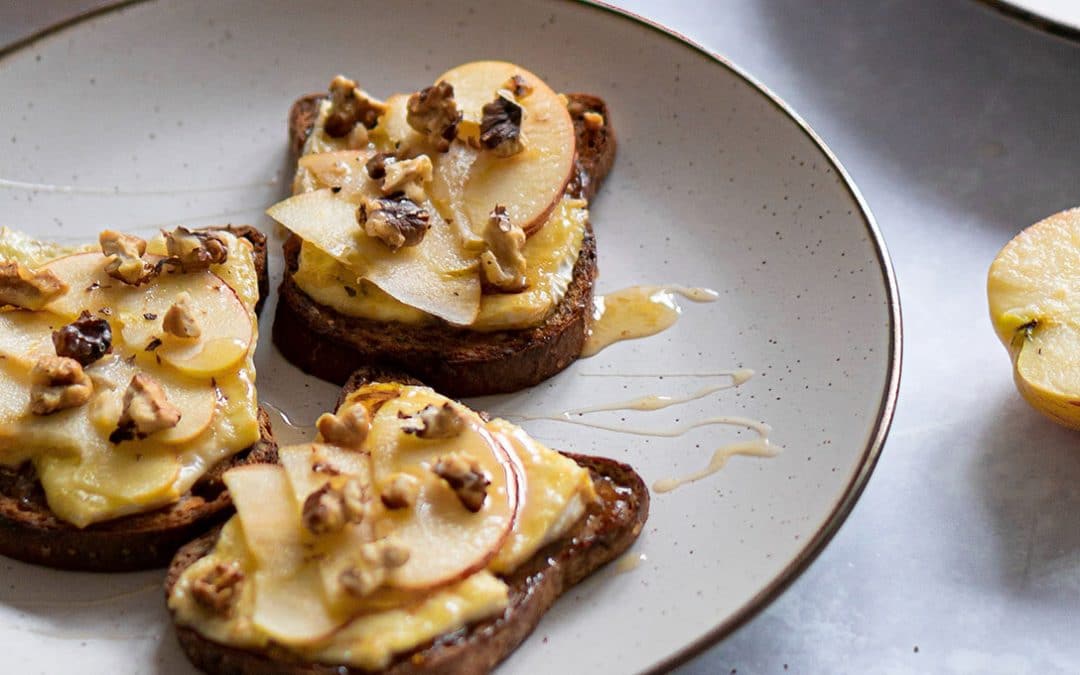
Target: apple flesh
x=1035, y=310
x=447, y=541
x=227, y=330
x=530, y=183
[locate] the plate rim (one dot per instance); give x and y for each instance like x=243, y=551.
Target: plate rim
x=1043, y=24
x=871, y=452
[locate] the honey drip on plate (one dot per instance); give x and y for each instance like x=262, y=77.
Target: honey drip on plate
x=757, y=447
x=287, y=431
x=637, y=312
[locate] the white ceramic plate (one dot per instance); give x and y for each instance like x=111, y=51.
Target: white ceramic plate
x=173, y=112
x=1061, y=17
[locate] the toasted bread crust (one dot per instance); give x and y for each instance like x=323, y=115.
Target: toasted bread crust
x=459, y=362
x=30, y=532
x=609, y=527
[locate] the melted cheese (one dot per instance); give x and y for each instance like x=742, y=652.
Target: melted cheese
x=550, y=254
x=369, y=632
x=86, y=478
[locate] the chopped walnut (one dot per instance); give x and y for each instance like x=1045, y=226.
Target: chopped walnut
x=377, y=558
x=194, y=251
x=218, y=589
x=400, y=491
x=376, y=166
x=503, y=264
x=180, y=321
x=27, y=289
x=408, y=176
x=518, y=86
x=146, y=409
x=594, y=121
x=58, y=383
x=124, y=258
x=465, y=477
x=347, y=429
x=500, y=127
x=437, y=422
x=349, y=106
x=86, y=339
x=433, y=112
x=331, y=507
x=395, y=222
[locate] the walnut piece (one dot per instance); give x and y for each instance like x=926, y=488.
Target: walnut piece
x=347, y=429
x=180, y=321
x=465, y=477
x=350, y=106
x=433, y=112
x=500, y=126
x=86, y=339
x=218, y=589
x=377, y=558
x=408, y=176
x=437, y=422
x=124, y=258
x=146, y=409
x=26, y=289
x=518, y=86
x=503, y=264
x=396, y=222
x=58, y=383
x=334, y=505
x=192, y=251
x=400, y=491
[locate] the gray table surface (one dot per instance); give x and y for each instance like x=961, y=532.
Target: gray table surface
x=961, y=127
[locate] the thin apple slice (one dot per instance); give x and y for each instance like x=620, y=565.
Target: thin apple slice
x=345, y=169
x=530, y=183
x=89, y=287
x=226, y=327
x=286, y=607
x=26, y=336
x=446, y=540
x=435, y=276
x=196, y=399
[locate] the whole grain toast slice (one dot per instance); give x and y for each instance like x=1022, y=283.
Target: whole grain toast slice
x=607, y=529
x=30, y=532
x=456, y=361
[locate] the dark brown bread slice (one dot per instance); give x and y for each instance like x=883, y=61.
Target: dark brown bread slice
x=607, y=530
x=30, y=532
x=459, y=362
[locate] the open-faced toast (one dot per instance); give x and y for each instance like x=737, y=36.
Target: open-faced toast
x=607, y=526
x=32, y=532
x=460, y=360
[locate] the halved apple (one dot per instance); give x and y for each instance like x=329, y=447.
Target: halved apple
x=530, y=183
x=435, y=276
x=1032, y=290
x=447, y=541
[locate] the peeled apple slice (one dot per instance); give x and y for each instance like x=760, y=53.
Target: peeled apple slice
x=435, y=276
x=447, y=542
x=26, y=336
x=285, y=607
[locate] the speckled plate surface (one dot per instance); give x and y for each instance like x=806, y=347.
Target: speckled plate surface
x=173, y=112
